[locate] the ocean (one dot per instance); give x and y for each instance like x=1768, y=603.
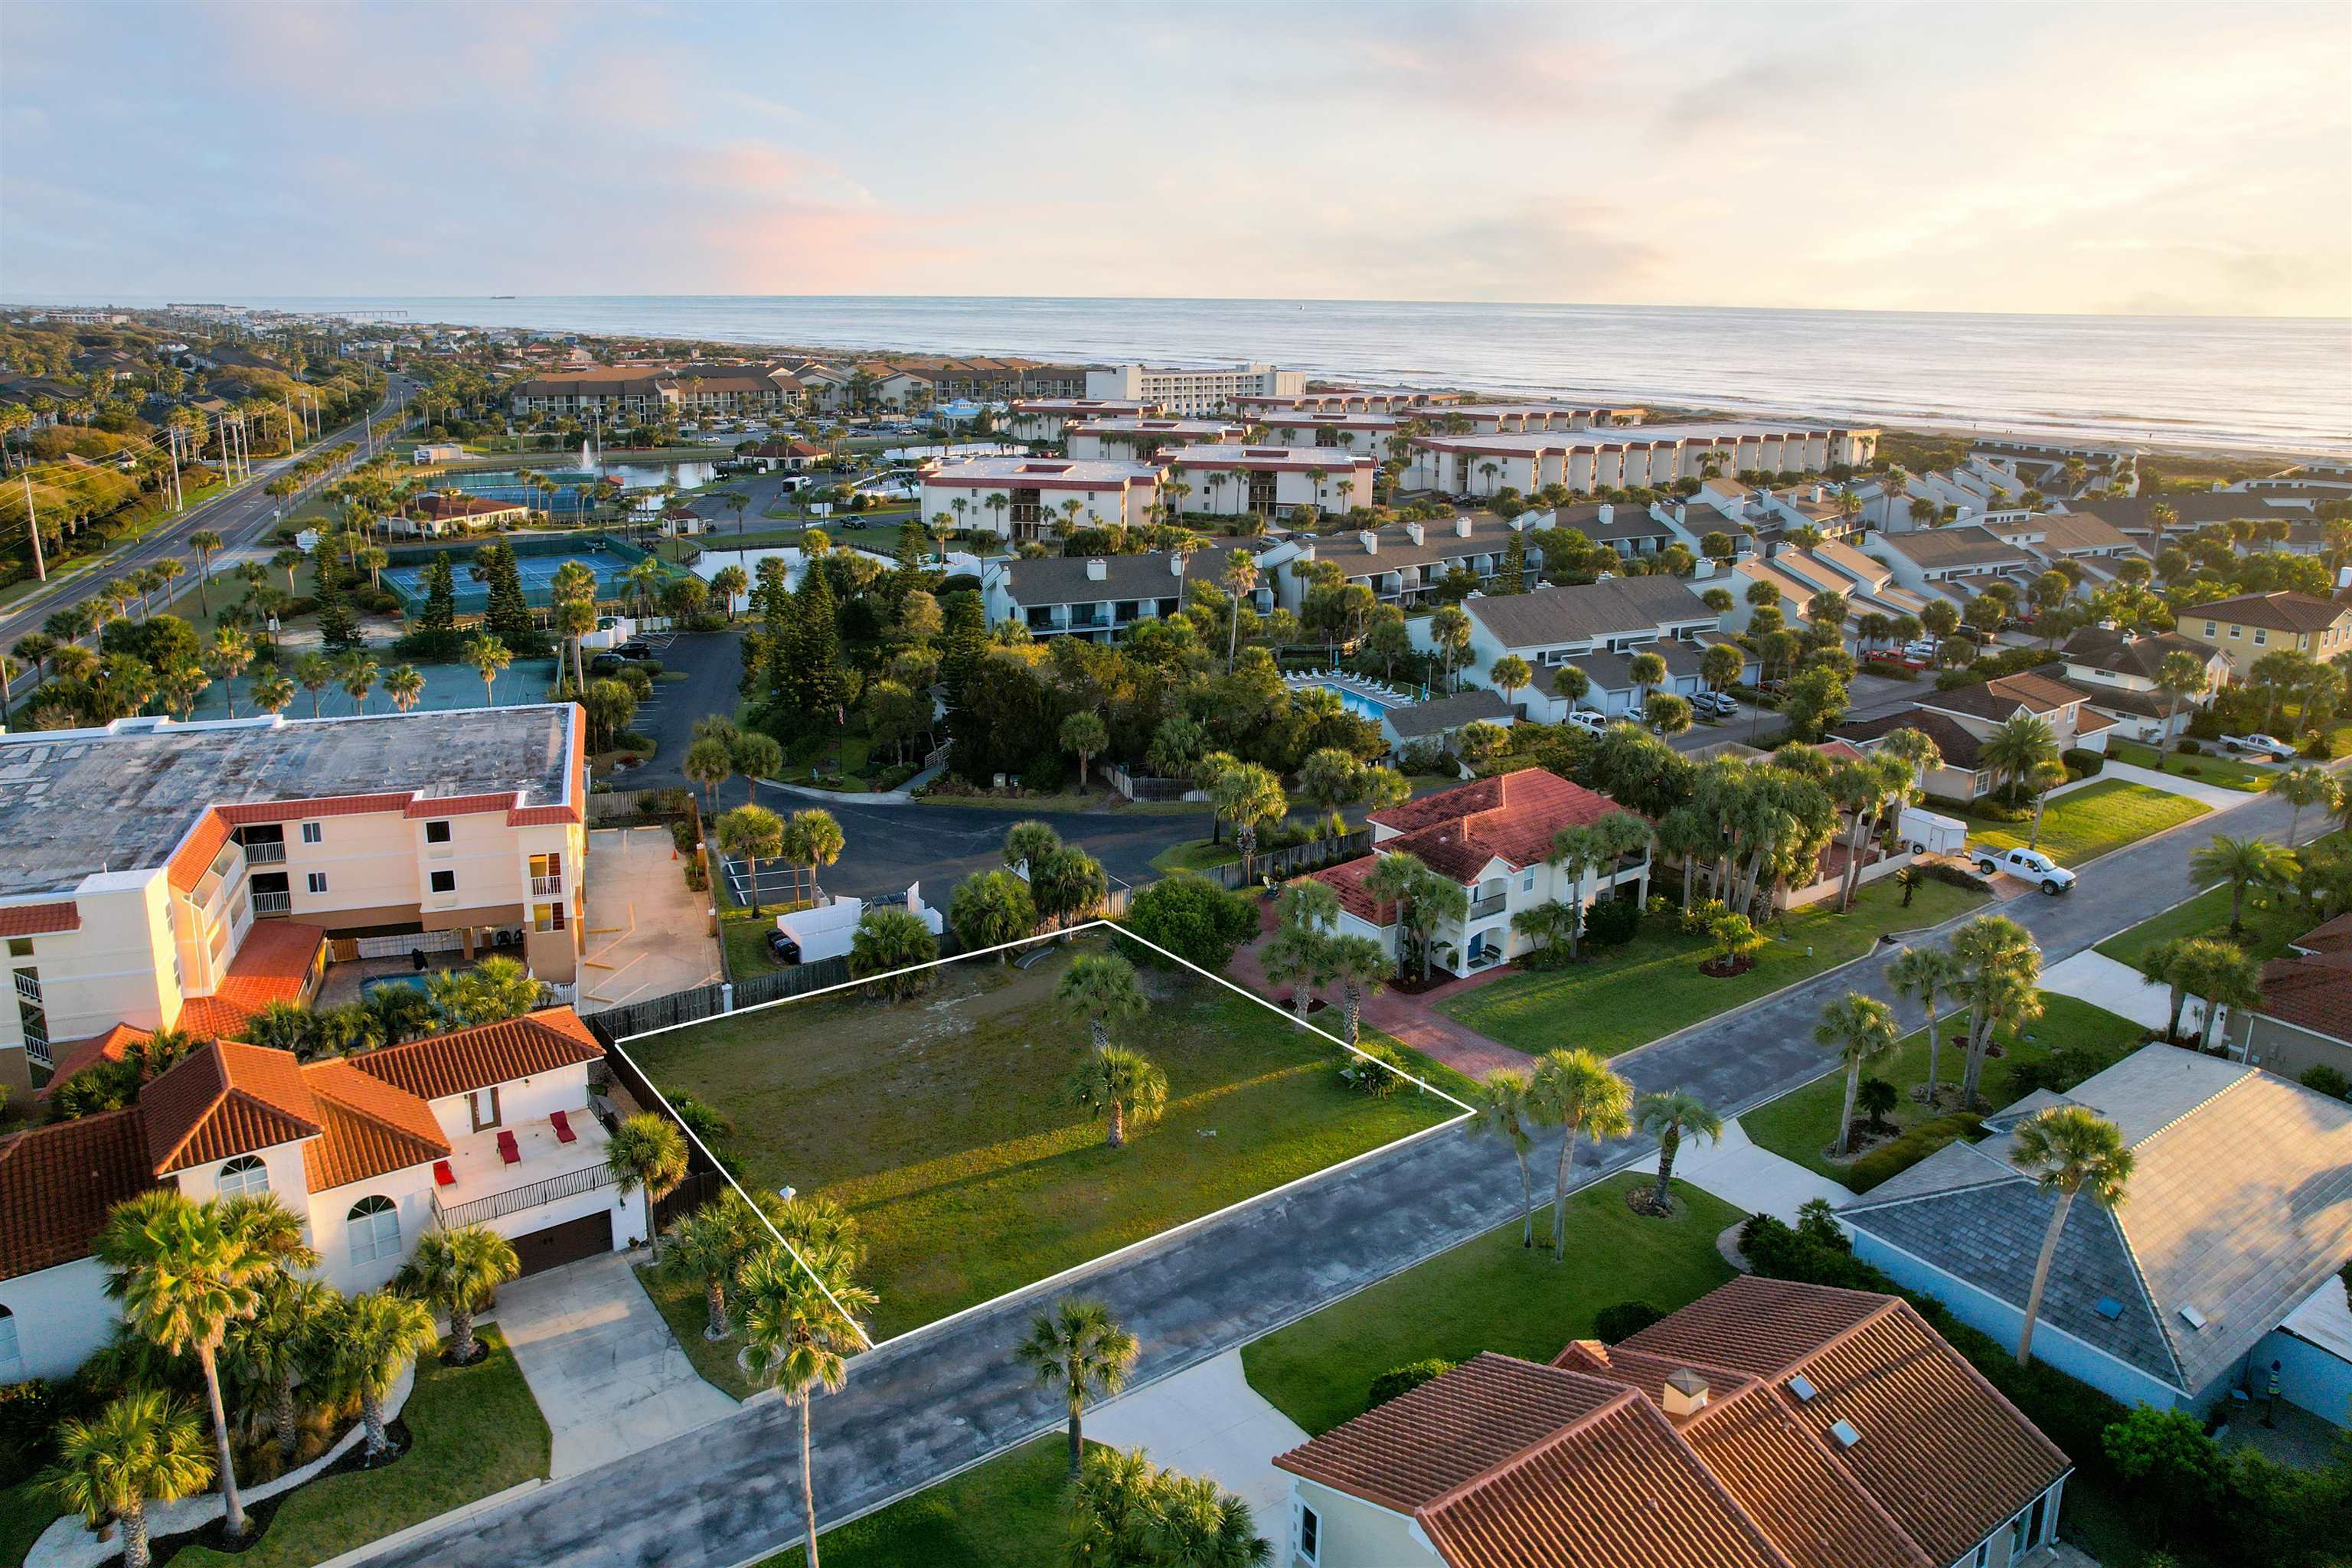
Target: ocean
x=2219, y=383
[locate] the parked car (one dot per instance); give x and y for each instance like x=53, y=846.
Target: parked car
x=633, y=651
x=2268, y=747
x=1586, y=719
x=1715, y=704
x=1920, y=647
x=782, y=948
x=2027, y=865
x=1901, y=660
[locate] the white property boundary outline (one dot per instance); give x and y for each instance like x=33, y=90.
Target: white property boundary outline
x=1091, y=1264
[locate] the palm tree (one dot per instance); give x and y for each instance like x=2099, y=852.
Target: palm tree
x=278, y=1344
x=1355, y=964
x=799, y=1327
x=1862, y=1030
x=358, y=676
x=1248, y=796
x=1081, y=1349
x=1670, y=1116
x=1099, y=988
x=1120, y=1086
x=271, y=692
x=144, y=1447
x=1575, y=1090
x=314, y=672
x=1196, y=1523
x=812, y=838
x=710, y=763
x=752, y=834
x=2242, y=863
x=204, y=542
x=1502, y=1107
x=1644, y=671
x=707, y=1246
x=1240, y=579
x=1922, y=974
x=183, y=1274
x=2070, y=1150
x=649, y=1152
x=2301, y=787
x=459, y=1271
x=2040, y=779
x=489, y=658
x=2013, y=750
x=377, y=1335
x=1294, y=957
x=1575, y=850
x=404, y=684
x=232, y=652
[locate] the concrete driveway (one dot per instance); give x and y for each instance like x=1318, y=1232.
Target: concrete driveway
x=648, y=932
x=607, y=1372
x=1208, y=1421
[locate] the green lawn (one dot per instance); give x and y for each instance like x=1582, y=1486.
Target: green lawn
x=1006, y=1513
x=472, y=1432
x=1802, y=1124
x=941, y=1123
x=2227, y=772
x=1652, y=987
x=2091, y=821
x=2271, y=922
x=1491, y=1294
x=1197, y=855
x=26, y=1510
x=683, y=1308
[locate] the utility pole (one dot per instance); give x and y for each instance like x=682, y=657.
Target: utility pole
x=290, y=442
x=33, y=527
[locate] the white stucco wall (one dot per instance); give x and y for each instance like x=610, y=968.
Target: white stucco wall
x=62, y=1317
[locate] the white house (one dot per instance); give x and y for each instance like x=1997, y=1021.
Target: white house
x=1023, y=497
x=1597, y=626
x=1227, y=481
x=488, y=1125
x=2119, y=672
x=1404, y=563
x=1191, y=392
x=1493, y=836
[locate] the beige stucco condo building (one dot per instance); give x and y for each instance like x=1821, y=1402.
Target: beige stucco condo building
x=180, y=876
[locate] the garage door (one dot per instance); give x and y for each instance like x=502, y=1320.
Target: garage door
x=567, y=1243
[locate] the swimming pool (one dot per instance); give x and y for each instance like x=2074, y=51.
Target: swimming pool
x=1362, y=703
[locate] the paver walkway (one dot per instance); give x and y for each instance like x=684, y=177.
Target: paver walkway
x=928, y=1404
x=1208, y=1421
x=602, y=1363
x=1752, y=1178
x=1415, y=1020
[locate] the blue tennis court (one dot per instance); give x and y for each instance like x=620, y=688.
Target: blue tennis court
x=537, y=560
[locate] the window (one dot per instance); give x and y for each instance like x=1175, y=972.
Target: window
x=12, y=1365
x=315, y=880
x=1310, y=1534
x=20, y=947
x=2209, y=629
x=1527, y=881
x=312, y=832
x=2236, y=631
x=375, y=1229
x=243, y=1175
x=437, y=832
x=443, y=881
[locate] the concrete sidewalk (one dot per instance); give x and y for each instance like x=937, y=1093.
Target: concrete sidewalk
x=2216, y=798
x=2104, y=982
x=1208, y=1421
x=1754, y=1179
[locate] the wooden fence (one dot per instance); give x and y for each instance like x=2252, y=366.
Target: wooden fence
x=1310, y=856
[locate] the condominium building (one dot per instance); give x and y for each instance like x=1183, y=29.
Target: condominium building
x=1023, y=497
x=727, y=390
x=1143, y=438
x=1269, y=480
x=1404, y=563
x=1345, y=400
x=1599, y=628
x=182, y=876
x=1181, y=391
x=1049, y=418
x=1507, y=419
x=1102, y=596
x=1656, y=454
x=1378, y=436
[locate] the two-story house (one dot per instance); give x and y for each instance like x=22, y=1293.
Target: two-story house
x=1597, y=626
x=1404, y=563
x=1493, y=836
x=1099, y=596
x=2119, y=670
x=1961, y=721
x=2305, y=1017
x=141, y=865
x=1766, y=1425
x=488, y=1125
x=2243, y=628
x=1955, y=562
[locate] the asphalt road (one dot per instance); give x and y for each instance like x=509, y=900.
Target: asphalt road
x=916, y=1410
x=243, y=517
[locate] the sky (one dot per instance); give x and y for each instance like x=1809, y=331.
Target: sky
x=2145, y=159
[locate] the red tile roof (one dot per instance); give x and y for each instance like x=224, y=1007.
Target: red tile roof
x=367, y=1128
x=40, y=920
x=1347, y=879
x=2313, y=992
x=2333, y=936
x=56, y=1184
x=272, y=966
x=1511, y=817
x=76, y=1056
x=223, y=1099
x=475, y=1058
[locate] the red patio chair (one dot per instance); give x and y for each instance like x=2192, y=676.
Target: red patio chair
x=563, y=1133
x=508, y=1150
x=442, y=1176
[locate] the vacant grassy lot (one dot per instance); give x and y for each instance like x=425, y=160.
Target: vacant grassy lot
x=1803, y=1124
x=1652, y=987
x=2227, y=772
x=1492, y=1294
x=473, y=1431
x=2091, y=821
x=941, y=1122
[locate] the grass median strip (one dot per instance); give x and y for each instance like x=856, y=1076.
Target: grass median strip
x=1492, y=1294
x=1652, y=987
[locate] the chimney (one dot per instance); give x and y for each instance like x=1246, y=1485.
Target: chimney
x=1097, y=569
x=1372, y=541
x=1175, y=564
x=1415, y=531
x=1681, y=512
x=1462, y=526
x=1685, y=1394
x=1607, y=515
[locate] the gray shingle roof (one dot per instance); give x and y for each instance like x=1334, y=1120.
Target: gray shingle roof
x=1962, y=545
x=1444, y=713
x=1580, y=611
x=1063, y=579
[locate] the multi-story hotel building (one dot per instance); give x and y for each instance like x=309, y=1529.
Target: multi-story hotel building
x=1137, y=438
x=1344, y=400
x=1595, y=459
x=1376, y=436
x=1269, y=480
x=180, y=876
x=1193, y=392
x=1049, y=418
x=1023, y=497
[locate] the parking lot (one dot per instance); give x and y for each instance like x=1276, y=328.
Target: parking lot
x=649, y=933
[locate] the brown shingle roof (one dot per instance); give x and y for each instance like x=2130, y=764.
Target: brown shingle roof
x=222, y=1100
x=1998, y=700
x=2285, y=611
x=56, y=1184
x=1959, y=748
x=473, y=1058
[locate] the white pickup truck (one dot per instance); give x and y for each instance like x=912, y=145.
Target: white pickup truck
x=2268, y=747
x=2026, y=866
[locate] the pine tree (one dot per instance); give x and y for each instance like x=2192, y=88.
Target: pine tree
x=339, y=623
x=1512, y=578
x=505, y=616
x=815, y=681
x=963, y=643
x=440, y=611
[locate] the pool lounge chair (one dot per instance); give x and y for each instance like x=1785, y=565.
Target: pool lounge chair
x=508, y=1150
x=562, y=1124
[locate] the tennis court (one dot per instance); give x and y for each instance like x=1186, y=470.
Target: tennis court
x=537, y=560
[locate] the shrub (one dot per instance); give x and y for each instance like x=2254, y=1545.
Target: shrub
x=1404, y=1379
x=696, y=879
x=2326, y=1081
x=681, y=836
x=2191, y=770
x=28, y=1412
x=1890, y=1158
x=2205, y=724
x=1379, y=1072
x=1956, y=876
x=1193, y=917
x=1612, y=922
x=2081, y=764
x=1624, y=1320
x=2318, y=746
x=2189, y=749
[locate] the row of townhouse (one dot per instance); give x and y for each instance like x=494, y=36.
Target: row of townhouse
x=1657, y=455
x=1023, y=498
x=1598, y=627
x=1137, y=439
x=1800, y=575
x=492, y=1125
x=612, y=394
x=1760, y=516
x=1344, y=400
x=1402, y=563
x=182, y=876
x=1100, y=597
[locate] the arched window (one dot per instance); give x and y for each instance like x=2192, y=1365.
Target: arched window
x=12, y=1368
x=375, y=1229
x=245, y=1174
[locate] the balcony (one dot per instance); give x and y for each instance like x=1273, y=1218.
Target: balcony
x=273, y=903
x=1492, y=904
x=488, y=1189
x=265, y=852
x=547, y=887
